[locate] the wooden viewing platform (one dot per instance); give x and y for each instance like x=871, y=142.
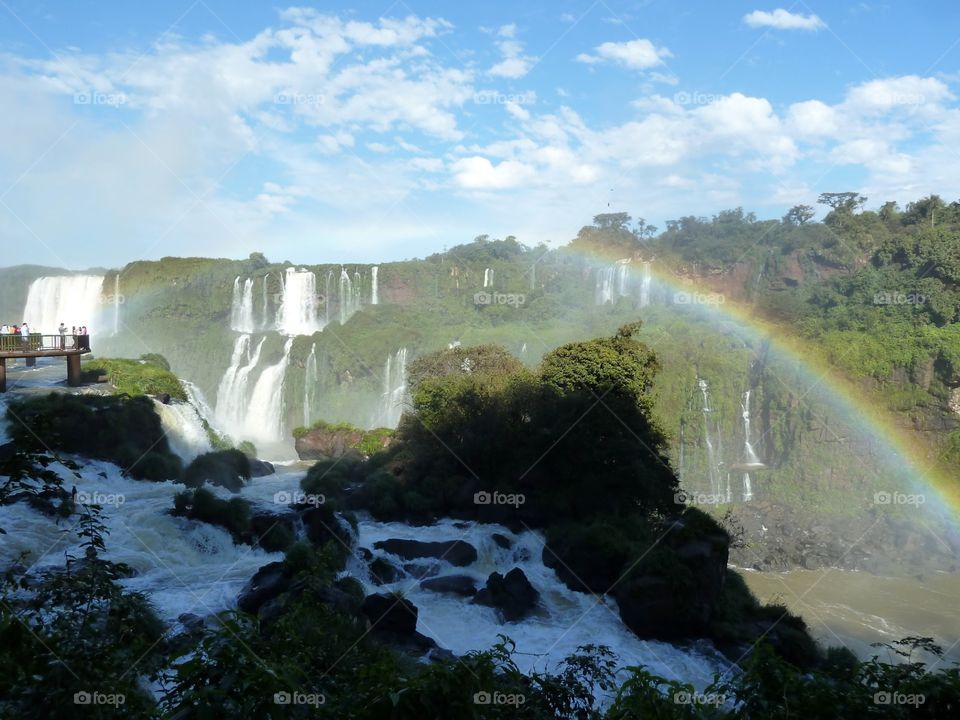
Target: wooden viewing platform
x=36, y=345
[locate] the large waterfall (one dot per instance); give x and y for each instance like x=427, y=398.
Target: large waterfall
x=264, y=415
x=394, y=390
x=116, y=304
x=265, y=323
x=604, y=290
x=713, y=462
x=645, y=281
x=750, y=459
x=375, y=285
x=310, y=386
x=349, y=296
x=298, y=314
x=621, y=272
x=232, y=394
x=241, y=310
x=488, y=278
x=68, y=299
x=183, y=427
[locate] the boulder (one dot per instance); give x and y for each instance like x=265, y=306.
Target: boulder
x=502, y=541
x=328, y=443
x=390, y=613
x=260, y=468
x=321, y=526
x=268, y=582
x=512, y=594
x=453, y=584
x=274, y=531
x=455, y=552
x=384, y=572
x=421, y=570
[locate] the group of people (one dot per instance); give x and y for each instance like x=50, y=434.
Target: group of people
x=24, y=331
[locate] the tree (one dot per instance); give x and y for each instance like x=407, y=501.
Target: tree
x=799, y=215
x=846, y=202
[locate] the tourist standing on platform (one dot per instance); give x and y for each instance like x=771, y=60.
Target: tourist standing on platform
x=25, y=335
x=63, y=336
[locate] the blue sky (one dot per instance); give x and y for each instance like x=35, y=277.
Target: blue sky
x=375, y=131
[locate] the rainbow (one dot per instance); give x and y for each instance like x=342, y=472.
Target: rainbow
x=860, y=409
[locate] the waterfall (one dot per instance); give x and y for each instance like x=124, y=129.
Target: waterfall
x=357, y=290
x=264, y=416
x=750, y=459
x=533, y=277
x=326, y=298
x=241, y=310
x=69, y=299
x=116, y=304
x=265, y=318
x=183, y=427
x=310, y=386
x=645, y=284
x=605, y=285
x=621, y=271
x=298, y=314
x=394, y=390
x=232, y=405
x=713, y=465
x=349, y=298
x=488, y=278
x=375, y=285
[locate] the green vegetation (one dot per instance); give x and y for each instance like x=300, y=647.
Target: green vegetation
x=120, y=429
x=150, y=375
x=366, y=442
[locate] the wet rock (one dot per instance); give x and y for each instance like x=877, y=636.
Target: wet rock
x=384, y=572
x=260, y=468
x=391, y=613
x=455, y=552
x=502, y=541
x=268, y=582
x=511, y=594
x=463, y=585
x=421, y=570
x=329, y=443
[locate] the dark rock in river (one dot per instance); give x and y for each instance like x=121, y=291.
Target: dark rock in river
x=453, y=584
x=267, y=583
x=512, y=594
x=391, y=613
x=455, y=552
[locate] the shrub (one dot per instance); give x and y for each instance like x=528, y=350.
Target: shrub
x=227, y=468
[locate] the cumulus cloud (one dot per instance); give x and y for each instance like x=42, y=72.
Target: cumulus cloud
x=640, y=54
x=478, y=173
x=515, y=63
x=781, y=19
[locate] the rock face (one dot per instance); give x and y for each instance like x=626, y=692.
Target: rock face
x=512, y=594
x=652, y=605
x=267, y=583
x=260, y=468
x=455, y=552
x=463, y=585
x=388, y=613
x=328, y=443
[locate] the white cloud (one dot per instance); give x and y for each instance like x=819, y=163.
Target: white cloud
x=781, y=19
x=515, y=63
x=640, y=54
x=478, y=173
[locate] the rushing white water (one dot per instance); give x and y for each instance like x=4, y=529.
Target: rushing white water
x=116, y=304
x=265, y=323
x=488, y=278
x=645, y=281
x=264, y=414
x=184, y=429
x=232, y=394
x=299, y=312
x=327, y=298
x=394, y=390
x=241, y=309
x=375, y=285
x=310, y=386
x=621, y=273
x=750, y=458
x=70, y=299
x=563, y=621
x=181, y=565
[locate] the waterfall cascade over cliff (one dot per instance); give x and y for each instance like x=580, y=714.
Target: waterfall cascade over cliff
x=394, y=390
x=299, y=307
x=375, y=285
x=241, y=309
x=74, y=300
x=264, y=420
